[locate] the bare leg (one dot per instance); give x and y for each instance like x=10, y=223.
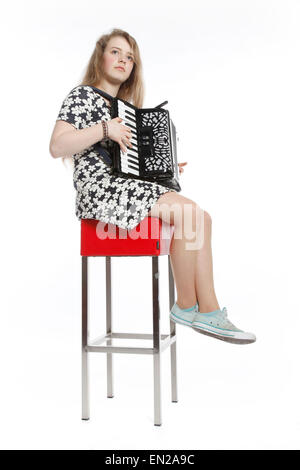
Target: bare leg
x=183, y=266
x=204, y=282
x=192, y=269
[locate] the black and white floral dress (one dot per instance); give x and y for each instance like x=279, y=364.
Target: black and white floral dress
x=101, y=195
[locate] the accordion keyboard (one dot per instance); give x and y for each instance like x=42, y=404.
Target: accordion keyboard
x=130, y=158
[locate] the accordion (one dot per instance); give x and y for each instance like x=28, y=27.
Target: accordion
x=153, y=156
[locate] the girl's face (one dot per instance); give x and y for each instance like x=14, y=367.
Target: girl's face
x=118, y=60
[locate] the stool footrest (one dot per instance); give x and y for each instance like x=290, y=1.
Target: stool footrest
x=94, y=346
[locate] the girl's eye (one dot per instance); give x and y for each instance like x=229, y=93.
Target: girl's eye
x=129, y=56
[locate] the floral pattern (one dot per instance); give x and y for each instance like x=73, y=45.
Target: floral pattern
x=101, y=195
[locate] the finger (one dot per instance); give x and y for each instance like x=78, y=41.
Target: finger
x=182, y=164
x=122, y=146
x=126, y=136
x=128, y=141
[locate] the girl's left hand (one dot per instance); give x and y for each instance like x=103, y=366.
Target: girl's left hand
x=181, y=170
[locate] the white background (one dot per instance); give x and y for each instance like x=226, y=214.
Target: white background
x=230, y=72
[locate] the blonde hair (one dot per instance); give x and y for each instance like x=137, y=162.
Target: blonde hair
x=133, y=89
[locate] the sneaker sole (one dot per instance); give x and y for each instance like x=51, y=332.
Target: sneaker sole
x=227, y=339
x=180, y=322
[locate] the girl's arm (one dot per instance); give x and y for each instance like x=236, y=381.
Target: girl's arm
x=66, y=140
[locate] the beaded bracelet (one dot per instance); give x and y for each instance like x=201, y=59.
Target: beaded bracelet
x=105, y=130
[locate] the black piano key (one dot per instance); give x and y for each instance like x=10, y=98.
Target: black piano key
x=131, y=126
x=127, y=110
x=132, y=152
x=135, y=162
x=134, y=138
x=130, y=118
x=132, y=167
x=131, y=155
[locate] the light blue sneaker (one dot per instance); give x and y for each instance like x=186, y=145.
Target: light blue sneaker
x=184, y=317
x=216, y=324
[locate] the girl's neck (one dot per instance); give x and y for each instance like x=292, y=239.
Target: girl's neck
x=109, y=88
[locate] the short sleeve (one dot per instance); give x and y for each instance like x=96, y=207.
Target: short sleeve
x=77, y=107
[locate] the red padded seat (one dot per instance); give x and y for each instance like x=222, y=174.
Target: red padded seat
x=152, y=237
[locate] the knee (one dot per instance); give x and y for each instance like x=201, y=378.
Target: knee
x=202, y=213
x=193, y=215
x=200, y=217
x=188, y=211
x=207, y=217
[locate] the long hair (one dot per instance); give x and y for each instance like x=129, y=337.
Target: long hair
x=133, y=89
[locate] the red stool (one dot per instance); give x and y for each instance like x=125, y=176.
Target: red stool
x=152, y=237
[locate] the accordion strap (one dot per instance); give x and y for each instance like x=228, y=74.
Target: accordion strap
x=103, y=93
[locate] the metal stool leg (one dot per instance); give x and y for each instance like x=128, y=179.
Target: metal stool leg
x=109, y=356
x=172, y=333
x=84, y=343
x=156, y=341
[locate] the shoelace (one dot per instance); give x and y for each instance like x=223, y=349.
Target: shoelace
x=223, y=316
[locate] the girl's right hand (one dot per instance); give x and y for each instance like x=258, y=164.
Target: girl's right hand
x=119, y=133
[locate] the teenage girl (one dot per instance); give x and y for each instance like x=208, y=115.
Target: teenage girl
x=85, y=132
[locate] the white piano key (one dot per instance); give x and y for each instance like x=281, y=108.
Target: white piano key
x=127, y=114
x=133, y=153
x=124, y=115
x=123, y=106
x=134, y=160
x=128, y=154
x=126, y=169
x=126, y=162
x=129, y=122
